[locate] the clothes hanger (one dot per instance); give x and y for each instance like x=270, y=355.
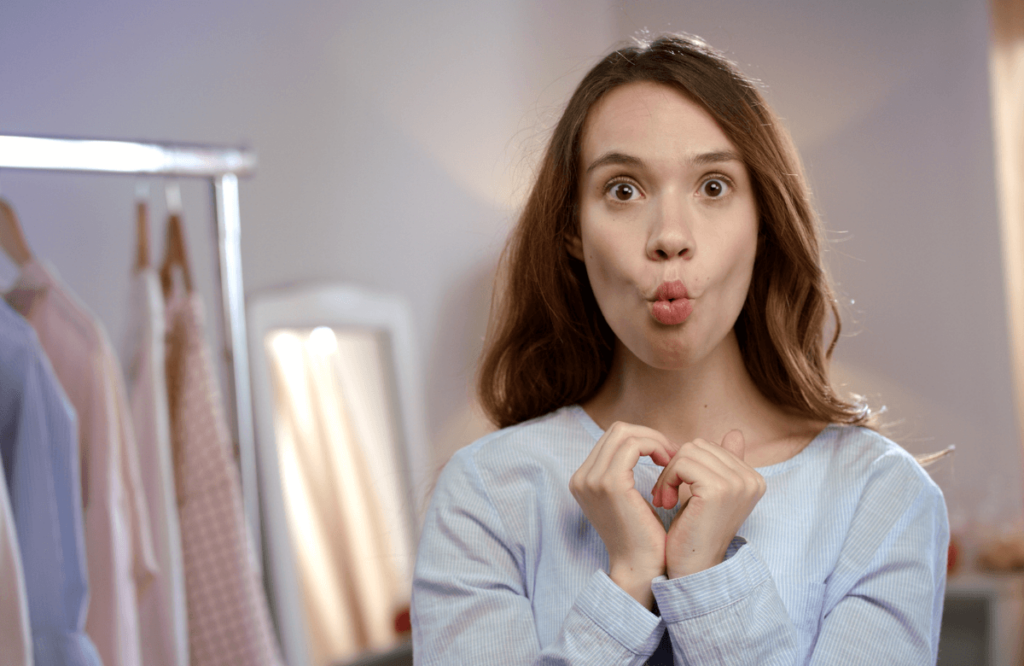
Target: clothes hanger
x=141, y=226
x=175, y=249
x=12, y=239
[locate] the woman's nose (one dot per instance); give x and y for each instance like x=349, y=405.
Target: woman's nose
x=671, y=233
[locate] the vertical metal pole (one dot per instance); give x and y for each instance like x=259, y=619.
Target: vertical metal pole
x=229, y=236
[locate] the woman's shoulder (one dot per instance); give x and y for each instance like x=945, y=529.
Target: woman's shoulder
x=558, y=433
x=866, y=456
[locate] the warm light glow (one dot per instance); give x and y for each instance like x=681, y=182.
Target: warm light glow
x=323, y=341
x=342, y=487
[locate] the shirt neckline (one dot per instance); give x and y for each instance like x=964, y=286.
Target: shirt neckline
x=770, y=470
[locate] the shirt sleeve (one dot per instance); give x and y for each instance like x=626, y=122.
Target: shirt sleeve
x=891, y=587
x=43, y=479
x=889, y=583
x=469, y=602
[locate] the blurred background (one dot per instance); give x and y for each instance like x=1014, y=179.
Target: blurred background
x=396, y=142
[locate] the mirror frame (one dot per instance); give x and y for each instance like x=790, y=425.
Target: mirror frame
x=335, y=306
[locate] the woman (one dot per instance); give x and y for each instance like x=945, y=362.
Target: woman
x=675, y=474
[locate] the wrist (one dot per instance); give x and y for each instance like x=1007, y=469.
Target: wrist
x=689, y=568
x=635, y=584
x=679, y=567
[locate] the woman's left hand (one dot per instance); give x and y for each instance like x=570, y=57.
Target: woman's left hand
x=723, y=491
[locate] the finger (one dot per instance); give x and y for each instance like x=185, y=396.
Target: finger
x=710, y=455
x=629, y=441
x=685, y=470
x=727, y=458
x=629, y=451
x=734, y=443
x=599, y=456
x=714, y=464
x=648, y=442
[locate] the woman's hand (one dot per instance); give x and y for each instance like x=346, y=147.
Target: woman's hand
x=723, y=490
x=631, y=530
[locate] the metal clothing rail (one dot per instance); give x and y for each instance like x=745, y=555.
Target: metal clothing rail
x=222, y=167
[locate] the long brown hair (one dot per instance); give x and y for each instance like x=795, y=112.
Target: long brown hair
x=549, y=345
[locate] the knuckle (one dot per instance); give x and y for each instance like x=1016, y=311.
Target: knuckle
x=595, y=485
x=716, y=489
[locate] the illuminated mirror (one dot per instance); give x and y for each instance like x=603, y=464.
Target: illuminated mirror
x=340, y=456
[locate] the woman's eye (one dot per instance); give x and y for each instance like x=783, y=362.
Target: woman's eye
x=714, y=188
x=623, y=191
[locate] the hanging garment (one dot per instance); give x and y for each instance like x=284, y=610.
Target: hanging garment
x=39, y=450
x=330, y=421
x=119, y=549
x=228, y=617
x=15, y=635
x=163, y=618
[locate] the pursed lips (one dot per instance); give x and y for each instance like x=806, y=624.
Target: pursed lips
x=670, y=291
x=671, y=305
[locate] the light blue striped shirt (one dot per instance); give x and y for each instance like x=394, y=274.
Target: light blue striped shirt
x=843, y=561
x=39, y=448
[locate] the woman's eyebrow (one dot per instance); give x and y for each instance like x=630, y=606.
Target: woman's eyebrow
x=699, y=160
x=615, y=158
x=714, y=157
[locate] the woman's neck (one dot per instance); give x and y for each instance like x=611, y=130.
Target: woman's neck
x=705, y=400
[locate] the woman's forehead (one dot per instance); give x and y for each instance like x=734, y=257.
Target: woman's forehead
x=652, y=122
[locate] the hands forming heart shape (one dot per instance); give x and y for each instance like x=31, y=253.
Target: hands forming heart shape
x=717, y=489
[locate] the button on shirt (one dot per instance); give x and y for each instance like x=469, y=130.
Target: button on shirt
x=39, y=449
x=849, y=541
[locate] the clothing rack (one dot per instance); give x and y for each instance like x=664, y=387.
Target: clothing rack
x=222, y=167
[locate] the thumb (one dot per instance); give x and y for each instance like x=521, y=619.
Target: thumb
x=733, y=443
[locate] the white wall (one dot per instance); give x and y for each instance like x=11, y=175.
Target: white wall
x=395, y=139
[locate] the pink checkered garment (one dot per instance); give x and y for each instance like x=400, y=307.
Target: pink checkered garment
x=228, y=617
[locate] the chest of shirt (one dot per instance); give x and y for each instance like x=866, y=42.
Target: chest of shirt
x=792, y=529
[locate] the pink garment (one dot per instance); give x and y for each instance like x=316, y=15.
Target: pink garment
x=118, y=545
x=228, y=616
x=163, y=615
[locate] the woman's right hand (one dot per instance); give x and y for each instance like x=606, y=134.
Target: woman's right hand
x=631, y=530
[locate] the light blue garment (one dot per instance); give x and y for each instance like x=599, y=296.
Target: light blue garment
x=39, y=449
x=843, y=561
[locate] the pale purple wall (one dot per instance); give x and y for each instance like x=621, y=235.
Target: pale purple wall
x=395, y=139
x=888, y=104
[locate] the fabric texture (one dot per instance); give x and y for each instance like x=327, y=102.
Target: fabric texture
x=15, y=631
x=39, y=450
x=120, y=557
x=848, y=542
x=163, y=617
x=228, y=617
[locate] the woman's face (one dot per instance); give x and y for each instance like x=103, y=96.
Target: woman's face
x=668, y=224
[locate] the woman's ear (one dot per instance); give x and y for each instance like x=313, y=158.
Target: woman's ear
x=574, y=246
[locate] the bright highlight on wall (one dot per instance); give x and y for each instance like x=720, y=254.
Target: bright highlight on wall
x=341, y=481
